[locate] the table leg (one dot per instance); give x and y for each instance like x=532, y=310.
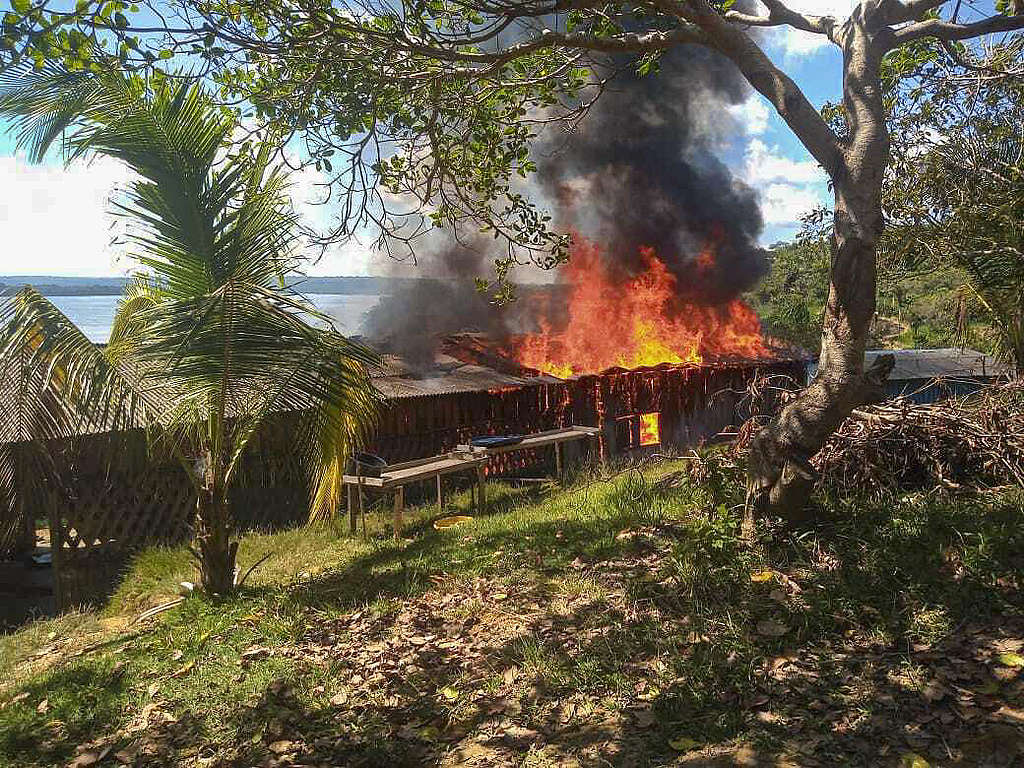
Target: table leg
x=351, y=494
x=362, y=508
x=482, y=500
x=399, y=508
x=440, y=496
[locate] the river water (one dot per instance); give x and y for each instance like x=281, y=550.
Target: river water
x=94, y=314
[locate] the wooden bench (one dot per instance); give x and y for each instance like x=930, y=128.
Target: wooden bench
x=555, y=437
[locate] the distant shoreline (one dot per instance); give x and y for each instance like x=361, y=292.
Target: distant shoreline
x=50, y=285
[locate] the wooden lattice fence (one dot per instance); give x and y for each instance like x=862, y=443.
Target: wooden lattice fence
x=107, y=497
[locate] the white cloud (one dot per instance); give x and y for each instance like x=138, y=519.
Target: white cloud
x=764, y=164
x=54, y=221
x=348, y=258
x=796, y=43
x=788, y=188
x=785, y=204
x=753, y=114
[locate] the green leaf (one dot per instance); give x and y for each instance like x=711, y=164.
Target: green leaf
x=683, y=744
x=1011, y=660
x=21, y=6
x=913, y=760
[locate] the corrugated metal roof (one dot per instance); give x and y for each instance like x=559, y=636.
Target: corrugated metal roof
x=397, y=379
x=939, y=363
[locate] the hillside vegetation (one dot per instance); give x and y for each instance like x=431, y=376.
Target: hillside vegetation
x=928, y=307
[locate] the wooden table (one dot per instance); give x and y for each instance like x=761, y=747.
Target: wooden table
x=397, y=476
x=555, y=437
x=462, y=459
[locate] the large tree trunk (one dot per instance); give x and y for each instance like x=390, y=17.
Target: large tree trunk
x=780, y=473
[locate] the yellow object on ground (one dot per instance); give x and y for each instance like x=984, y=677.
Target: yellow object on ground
x=451, y=522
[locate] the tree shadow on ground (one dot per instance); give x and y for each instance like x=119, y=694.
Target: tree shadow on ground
x=829, y=686
x=613, y=640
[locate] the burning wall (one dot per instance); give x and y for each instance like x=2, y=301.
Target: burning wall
x=682, y=404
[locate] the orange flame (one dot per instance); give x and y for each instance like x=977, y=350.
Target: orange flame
x=636, y=322
x=650, y=428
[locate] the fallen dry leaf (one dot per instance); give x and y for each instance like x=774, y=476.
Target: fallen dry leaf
x=934, y=691
x=771, y=628
x=20, y=697
x=89, y=757
x=450, y=693
x=128, y=754
x=255, y=653
x=913, y=760
x=408, y=732
x=644, y=718
x=282, y=746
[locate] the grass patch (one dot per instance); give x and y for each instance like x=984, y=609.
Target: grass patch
x=614, y=621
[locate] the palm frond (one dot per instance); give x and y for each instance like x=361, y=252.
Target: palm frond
x=337, y=428
x=69, y=385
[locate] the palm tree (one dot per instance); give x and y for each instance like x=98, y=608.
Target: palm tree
x=988, y=230
x=963, y=205
x=208, y=342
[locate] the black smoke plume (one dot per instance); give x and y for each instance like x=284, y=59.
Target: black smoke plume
x=641, y=169
x=411, y=321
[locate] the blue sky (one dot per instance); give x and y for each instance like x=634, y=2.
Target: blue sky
x=54, y=220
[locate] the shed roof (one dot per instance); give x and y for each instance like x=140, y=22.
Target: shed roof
x=397, y=379
x=940, y=363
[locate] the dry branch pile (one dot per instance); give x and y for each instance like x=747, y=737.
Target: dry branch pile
x=973, y=443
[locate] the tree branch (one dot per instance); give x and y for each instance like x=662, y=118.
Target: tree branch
x=987, y=70
x=625, y=43
x=781, y=15
x=899, y=12
x=946, y=30
x=767, y=79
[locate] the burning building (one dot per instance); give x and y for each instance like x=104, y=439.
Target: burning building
x=477, y=388
x=644, y=331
